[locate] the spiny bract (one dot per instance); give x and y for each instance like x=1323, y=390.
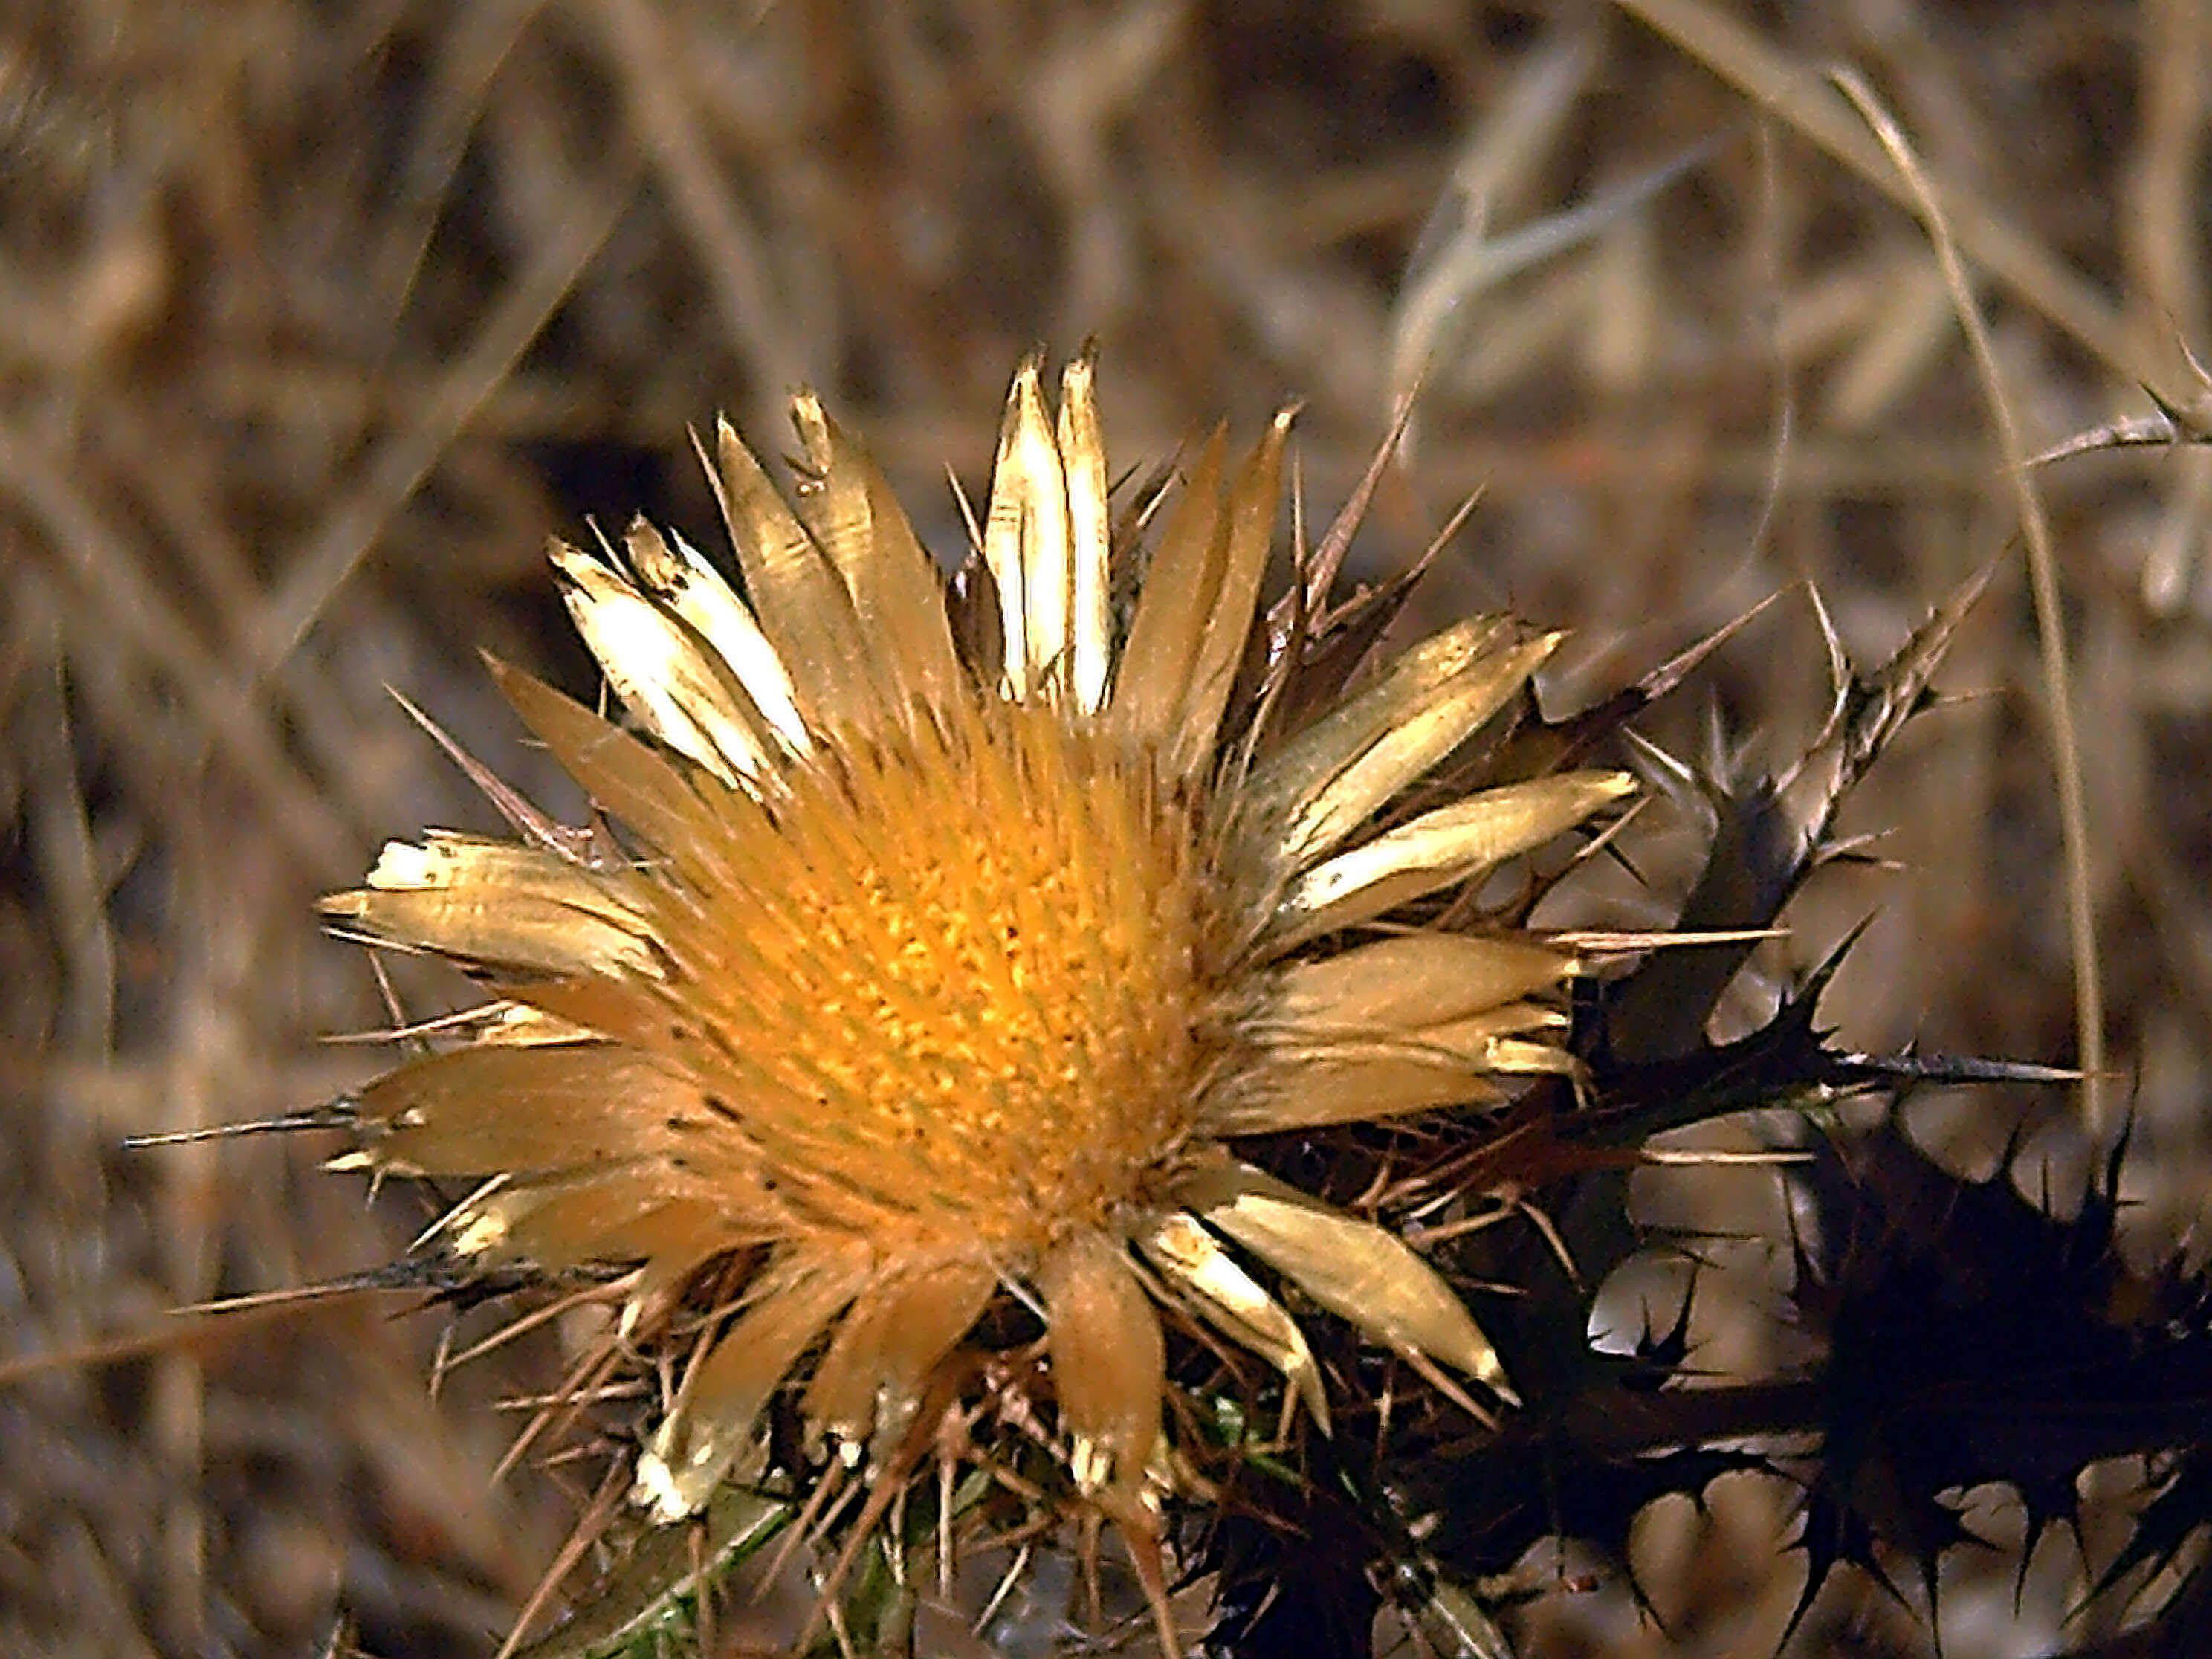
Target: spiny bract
x=948, y=949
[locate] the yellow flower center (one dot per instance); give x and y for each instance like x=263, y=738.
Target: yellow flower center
x=954, y=978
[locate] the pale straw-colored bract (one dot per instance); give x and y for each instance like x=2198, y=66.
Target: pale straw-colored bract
x=933, y=966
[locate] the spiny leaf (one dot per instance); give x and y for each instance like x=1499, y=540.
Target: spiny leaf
x=1771, y=833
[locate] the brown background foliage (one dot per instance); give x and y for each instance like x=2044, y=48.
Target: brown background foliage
x=316, y=318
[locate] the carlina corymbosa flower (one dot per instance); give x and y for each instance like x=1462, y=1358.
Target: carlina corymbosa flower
x=937, y=951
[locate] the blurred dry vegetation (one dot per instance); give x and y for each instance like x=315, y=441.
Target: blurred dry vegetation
x=316, y=318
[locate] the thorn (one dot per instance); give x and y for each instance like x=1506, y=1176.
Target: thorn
x=1840, y=664
x=409, y=1274
x=524, y=818
x=338, y=1113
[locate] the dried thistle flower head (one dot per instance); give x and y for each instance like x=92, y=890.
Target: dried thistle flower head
x=930, y=971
